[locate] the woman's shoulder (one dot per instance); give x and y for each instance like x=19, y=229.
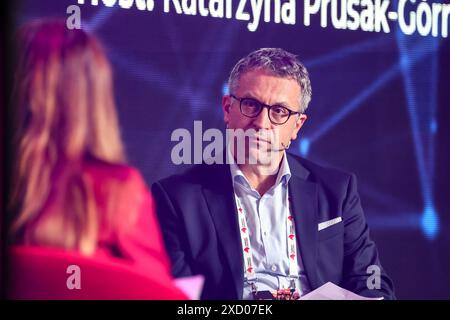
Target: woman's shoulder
x=118, y=188
x=107, y=170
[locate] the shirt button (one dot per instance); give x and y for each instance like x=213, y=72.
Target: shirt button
x=274, y=268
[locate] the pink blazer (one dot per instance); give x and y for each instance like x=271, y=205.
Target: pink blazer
x=137, y=240
x=128, y=226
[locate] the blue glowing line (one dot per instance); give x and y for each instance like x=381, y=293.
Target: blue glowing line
x=346, y=51
x=209, y=71
x=225, y=89
x=424, y=140
x=395, y=220
x=199, y=63
x=304, y=146
x=388, y=202
x=384, y=200
x=144, y=72
x=433, y=126
x=161, y=81
x=355, y=102
x=174, y=41
x=366, y=93
x=99, y=19
x=430, y=222
x=414, y=112
x=434, y=106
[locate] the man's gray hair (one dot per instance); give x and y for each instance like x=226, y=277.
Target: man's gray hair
x=279, y=62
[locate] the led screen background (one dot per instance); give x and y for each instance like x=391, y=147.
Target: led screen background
x=379, y=109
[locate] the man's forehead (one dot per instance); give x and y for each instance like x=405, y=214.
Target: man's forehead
x=255, y=75
x=261, y=80
x=264, y=72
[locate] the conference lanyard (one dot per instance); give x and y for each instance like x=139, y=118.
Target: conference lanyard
x=249, y=269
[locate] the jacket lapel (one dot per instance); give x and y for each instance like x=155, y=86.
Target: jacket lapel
x=219, y=196
x=218, y=192
x=304, y=199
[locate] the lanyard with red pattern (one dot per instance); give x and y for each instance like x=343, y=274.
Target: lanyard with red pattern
x=249, y=270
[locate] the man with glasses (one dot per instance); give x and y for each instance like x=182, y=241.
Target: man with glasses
x=268, y=224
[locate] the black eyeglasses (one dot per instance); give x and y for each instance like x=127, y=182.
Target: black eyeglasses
x=252, y=108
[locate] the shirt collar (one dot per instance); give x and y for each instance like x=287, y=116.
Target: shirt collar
x=284, y=173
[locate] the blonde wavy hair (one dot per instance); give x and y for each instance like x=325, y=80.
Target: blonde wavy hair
x=66, y=114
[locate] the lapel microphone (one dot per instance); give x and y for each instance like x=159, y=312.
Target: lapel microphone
x=285, y=147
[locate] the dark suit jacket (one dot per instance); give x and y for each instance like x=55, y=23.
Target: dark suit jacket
x=198, y=218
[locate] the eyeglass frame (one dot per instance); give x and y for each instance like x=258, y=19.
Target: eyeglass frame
x=263, y=105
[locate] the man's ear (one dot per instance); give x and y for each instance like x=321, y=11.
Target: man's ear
x=298, y=124
x=226, y=106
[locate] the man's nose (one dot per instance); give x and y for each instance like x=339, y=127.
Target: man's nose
x=262, y=121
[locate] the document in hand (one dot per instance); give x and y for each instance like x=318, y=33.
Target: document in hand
x=330, y=291
x=191, y=286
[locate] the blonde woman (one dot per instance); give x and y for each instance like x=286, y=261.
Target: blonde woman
x=71, y=188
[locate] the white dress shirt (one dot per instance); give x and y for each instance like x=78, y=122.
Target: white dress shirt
x=266, y=216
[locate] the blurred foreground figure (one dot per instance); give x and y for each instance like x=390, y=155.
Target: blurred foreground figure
x=71, y=189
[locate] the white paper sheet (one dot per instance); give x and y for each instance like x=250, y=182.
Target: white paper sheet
x=330, y=291
x=191, y=286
